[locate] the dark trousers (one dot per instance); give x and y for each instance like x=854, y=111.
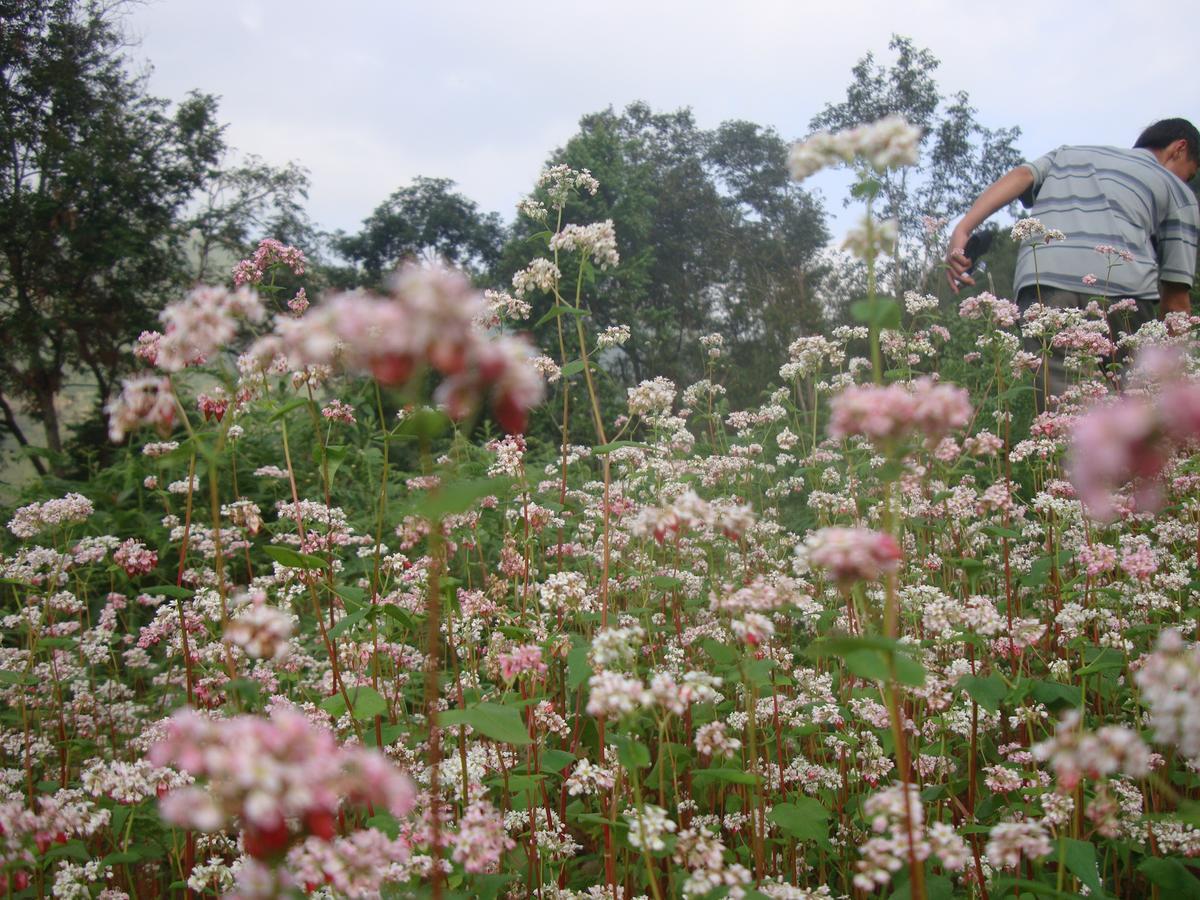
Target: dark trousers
x=1053, y=381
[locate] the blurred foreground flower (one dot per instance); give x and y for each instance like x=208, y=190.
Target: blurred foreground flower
x=885, y=144
x=269, y=772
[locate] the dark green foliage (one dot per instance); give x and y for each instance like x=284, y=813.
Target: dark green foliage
x=92, y=182
x=712, y=235
x=427, y=219
x=961, y=156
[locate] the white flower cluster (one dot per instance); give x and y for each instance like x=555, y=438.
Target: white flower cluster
x=564, y=591
x=713, y=344
x=261, y=630
x=540, y=275
x=69, y=510
x=559, y=181
x=653, y=397
x=504, y=305
x=1074, y=753
x=647, y=827
x=1170, y=683
x=1031, y=229
x=915, y=303
x=886, y=144
x=872, y=237
x=897, y=819
x=1009, y=842
x=598, y=240
x=613, y=336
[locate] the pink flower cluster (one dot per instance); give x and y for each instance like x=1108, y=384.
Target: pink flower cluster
x=426, y=321
x=888, y=413
x=145, y=400
x=851, y=554
x=135, y=557
x=270, y=252
x=269, y=772
x=201, y=323
x=1127, y=442
x=29, y=520
x=1075, y=754
x=481, y=838
x=527, y=658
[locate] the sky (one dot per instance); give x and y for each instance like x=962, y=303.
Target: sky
x=368, y=94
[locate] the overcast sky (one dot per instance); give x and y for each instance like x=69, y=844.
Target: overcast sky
x=368, y=94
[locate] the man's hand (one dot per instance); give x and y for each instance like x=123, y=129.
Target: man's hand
x=957, y=262
x=996, y=196
x=1174, y=298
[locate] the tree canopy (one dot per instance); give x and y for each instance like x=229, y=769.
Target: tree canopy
x=92, y=184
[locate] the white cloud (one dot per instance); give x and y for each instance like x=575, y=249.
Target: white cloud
x=369, y=94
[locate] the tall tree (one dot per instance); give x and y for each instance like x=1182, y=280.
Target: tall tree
x=427, y=219
x=93, y=178
x=961, y=156
x=712, y=237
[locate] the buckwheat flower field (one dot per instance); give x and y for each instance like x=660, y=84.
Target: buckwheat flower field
x=322, y=631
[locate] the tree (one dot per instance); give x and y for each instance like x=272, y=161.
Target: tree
x=92, y=183
x=428, y=219
x=962, y=156
x=712, y=237
x=244, y=201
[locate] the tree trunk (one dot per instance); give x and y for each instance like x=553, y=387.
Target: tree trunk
x=45, y=396
x=10, y=421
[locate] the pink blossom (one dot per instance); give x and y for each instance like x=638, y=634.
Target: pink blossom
x=481, y=838
x=135, y=558
x=852, y=554
x=270, y=252
x=144, y=400
x=267, y=771
x=527, y=658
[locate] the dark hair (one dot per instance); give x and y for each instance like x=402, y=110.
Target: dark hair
x=1166, y=131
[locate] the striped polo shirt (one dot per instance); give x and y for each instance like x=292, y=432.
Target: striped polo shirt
x=1109, y=195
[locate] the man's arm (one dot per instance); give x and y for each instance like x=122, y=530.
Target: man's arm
x=1174, y=297
x=995, y=197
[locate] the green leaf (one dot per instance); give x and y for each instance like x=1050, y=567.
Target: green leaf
x=455, y=497
x=804, y=819
x=1054, y=695
x=168, y=590
x=556, y=760
x=988, y=692
x=732, y=776
x=631, y=753
x=345, y=623
x=17, y=678
x=1173, y=876
x=882, y=312
x=500, y=723
x=868, y=664
x=385, y=822
x=579, y=669
x=666, y=582
x=286, y=556
x=247, y=689
x=1106, y=660
x=722, y=654
x=365, y=700
x=574, y=367
x=293, y=404
x=1080, y=857
x=561, y=310
x=401, y=615
x=997, y=531
x=1039, y=572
